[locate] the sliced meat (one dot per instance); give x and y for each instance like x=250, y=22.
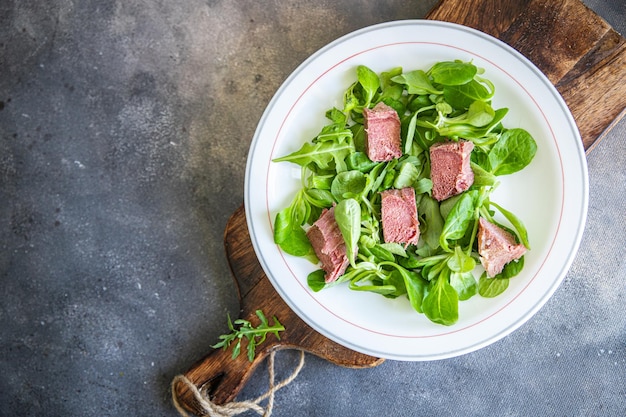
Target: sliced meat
x=496, y=247
x=382, y=127
x=328, y=244
x=450, y=168
x=399, y=216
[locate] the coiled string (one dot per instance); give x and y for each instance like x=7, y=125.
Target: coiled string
x=210, y=409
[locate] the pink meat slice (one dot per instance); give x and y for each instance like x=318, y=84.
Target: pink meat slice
x=399, y=216
x=496, y=247
x=450, y=169
x=328, y=244
x=382, y=127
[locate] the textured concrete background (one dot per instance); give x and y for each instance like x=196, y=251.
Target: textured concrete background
x=124, y=132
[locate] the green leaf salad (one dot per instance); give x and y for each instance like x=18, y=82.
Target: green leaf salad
x=451, y=101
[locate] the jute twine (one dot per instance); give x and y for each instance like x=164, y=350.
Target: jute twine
x=210, y=409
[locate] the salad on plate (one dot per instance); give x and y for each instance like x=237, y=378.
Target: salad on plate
x=396, y=190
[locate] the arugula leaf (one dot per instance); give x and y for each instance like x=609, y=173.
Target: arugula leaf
x=337, y=117
x=513, y=152
x=348, y=184
x=464, y=284
x=461, y=262
x=291, y=237
x=516, y=222
x=316, y=280
x=461, y=96
x=415, y=289
x=348, y=217
x=482, y=177
x=415, y=286
x=423, y=186
x=406, y=176
x=491, y=287
x=417, y=82
x=512, y=269
x=479, y=135
x=394, y=248
x=453, y=72
x=392, y=93
x=319, y=197
x=321, y=154
x=479, y=114
x=459, y=219
x=441, y=304
x=382, y=253
x=254, y=335
x=359, y=161
x=369, y=81
x=432, y=223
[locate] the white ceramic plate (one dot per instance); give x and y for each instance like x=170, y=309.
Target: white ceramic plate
x=550, y=195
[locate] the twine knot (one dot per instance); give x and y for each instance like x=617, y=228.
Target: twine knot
x=210, y=409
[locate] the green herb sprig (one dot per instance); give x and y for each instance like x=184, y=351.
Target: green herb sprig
x=254, y=335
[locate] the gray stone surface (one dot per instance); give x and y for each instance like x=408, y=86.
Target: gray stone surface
x=124, y=131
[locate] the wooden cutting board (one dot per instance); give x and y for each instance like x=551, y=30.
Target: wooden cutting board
x=579, y=52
